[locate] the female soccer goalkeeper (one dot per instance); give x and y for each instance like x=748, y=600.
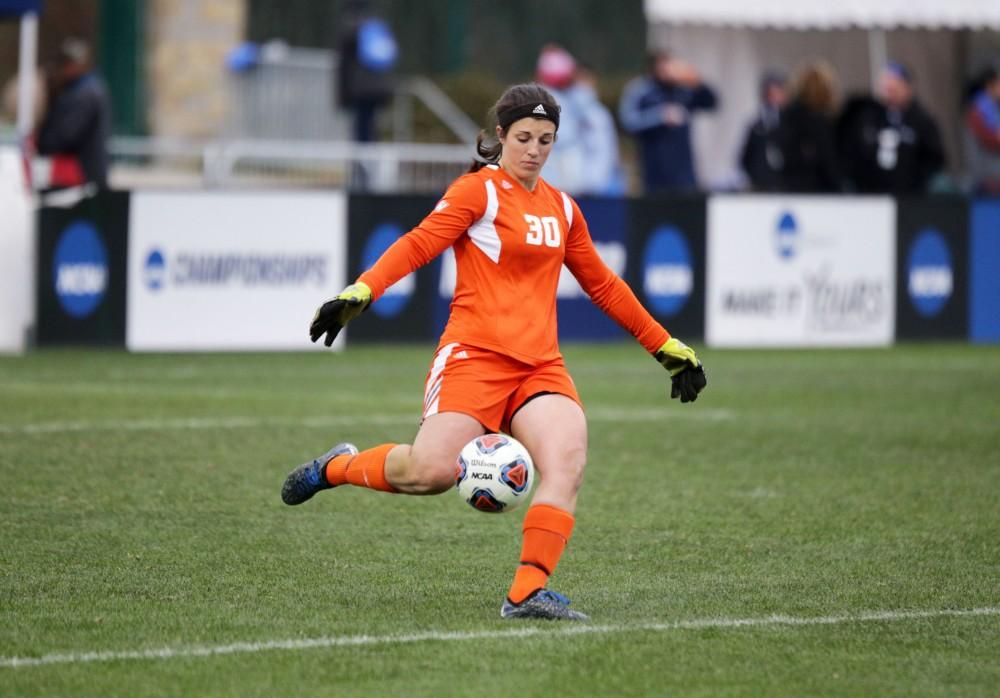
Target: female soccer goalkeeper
x=497, y=366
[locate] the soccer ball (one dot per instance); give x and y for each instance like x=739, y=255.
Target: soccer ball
x=494, y=473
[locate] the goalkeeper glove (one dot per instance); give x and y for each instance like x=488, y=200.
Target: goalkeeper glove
x=331, y=317
x=687, y=374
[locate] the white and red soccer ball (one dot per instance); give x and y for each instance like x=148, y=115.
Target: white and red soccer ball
x=495, y=473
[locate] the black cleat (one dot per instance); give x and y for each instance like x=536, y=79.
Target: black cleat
x=307, y=479
x=543, y=604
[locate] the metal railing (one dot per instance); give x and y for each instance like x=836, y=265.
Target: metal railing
x=284, y=129
x=433, y=97
x=290, y=94
x=378, y=167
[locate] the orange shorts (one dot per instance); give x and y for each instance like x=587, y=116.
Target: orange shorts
x=488, y=386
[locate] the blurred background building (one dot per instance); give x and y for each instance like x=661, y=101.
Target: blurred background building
x=374, y=106
x=231, y=89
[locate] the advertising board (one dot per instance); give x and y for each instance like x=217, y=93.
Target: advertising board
x=805, y=271
x=220, y=271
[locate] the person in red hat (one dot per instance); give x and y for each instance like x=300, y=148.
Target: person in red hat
x=556, y=71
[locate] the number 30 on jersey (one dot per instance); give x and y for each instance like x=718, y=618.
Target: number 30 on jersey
x=544, y=229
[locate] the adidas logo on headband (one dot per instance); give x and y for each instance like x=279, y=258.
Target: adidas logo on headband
x=511, y=114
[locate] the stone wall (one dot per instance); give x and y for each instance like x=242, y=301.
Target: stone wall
x=187, y=43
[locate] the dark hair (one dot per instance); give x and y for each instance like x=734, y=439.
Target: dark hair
x=654, y=56
x=980, y=82
x=815, y=87
x=488, y=146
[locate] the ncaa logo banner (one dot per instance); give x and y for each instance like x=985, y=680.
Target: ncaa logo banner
x=932, y=268
x=81, y=271
x=668, y=274
x=405, y=313
x=231, y=271
x=801, y=271
x=667, y=266
x=929, y=273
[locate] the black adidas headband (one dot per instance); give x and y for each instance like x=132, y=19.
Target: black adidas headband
x=534, y=109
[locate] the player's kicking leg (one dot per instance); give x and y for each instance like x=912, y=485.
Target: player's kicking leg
x=426, y=467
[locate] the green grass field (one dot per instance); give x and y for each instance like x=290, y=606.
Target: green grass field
x=855, y=493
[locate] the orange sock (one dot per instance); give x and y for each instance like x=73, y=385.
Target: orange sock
x=367, y=469
x=546, y=531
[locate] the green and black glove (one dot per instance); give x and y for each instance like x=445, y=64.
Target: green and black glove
x=331, y=317
x=687, y=374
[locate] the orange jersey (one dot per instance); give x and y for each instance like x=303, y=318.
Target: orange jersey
x=510, y=245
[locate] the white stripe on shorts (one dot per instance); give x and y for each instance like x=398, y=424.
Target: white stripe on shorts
x=433, y=388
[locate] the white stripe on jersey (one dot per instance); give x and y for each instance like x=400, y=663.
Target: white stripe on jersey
x=434, y=380
x=568, y=208
x=483, y=232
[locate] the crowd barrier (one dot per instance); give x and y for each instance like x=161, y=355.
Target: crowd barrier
x=209, y=270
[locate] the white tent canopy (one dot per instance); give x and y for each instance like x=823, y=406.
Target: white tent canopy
x=829, y=14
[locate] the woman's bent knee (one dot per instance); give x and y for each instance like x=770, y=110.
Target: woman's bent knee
x=566, y=470
x=430, y=475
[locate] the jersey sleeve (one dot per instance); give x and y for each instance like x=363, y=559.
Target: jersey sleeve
x=606, y=289
x=462, y=205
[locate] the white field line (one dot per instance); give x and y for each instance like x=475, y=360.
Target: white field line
x=413, y=417
x=460, y=636
x=137, y=387
x=202, y=423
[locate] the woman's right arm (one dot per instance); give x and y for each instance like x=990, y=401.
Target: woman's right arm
x=462, y=205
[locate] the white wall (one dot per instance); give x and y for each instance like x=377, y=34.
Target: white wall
x=17, y=263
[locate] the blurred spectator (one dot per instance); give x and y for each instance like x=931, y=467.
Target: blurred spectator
x=889, y=143
x=584, y=159
x=602, y=174
x=761, y=156
x=982, y=121
x=366, y=59
x=656, y=108
x=568, y=160
x=806, y=132
x=77, y=125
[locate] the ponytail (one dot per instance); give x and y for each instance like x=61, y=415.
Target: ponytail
x=487, y=151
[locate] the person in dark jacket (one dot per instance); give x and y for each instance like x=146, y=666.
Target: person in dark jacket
x=982, y=133
x=657, y=110
x=761, y=157
x=365, y=69
x=890, y=143
x=77, y=124
x=806, y=134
